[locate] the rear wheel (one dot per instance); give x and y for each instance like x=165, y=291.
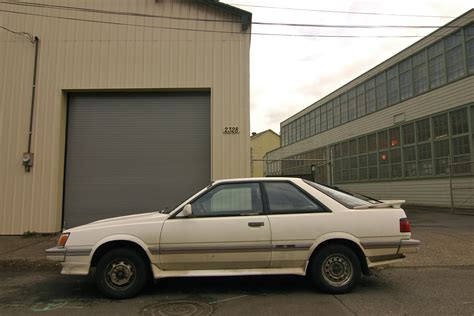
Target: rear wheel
x=335, y=269
x=121, y=273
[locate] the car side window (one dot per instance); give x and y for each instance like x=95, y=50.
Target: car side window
x=228, y=200
x=284, y=197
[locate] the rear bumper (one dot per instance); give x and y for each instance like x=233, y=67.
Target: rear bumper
x=408, y=246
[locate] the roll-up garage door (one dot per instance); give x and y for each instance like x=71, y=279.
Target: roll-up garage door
x=130, y=153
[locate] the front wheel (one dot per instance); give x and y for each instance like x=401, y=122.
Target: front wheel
x=335, y=269
x=121, y=273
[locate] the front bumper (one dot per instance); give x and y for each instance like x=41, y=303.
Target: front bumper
x=56, y=254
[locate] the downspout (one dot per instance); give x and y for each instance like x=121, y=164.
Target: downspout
x=28, y=155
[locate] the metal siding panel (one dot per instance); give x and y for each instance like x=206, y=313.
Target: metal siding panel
x=432, y=192
x=129, y=153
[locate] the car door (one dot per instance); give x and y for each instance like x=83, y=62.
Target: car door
x=296, y=219
x=228, y=230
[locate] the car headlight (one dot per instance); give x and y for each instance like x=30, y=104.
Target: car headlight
x=63, y=239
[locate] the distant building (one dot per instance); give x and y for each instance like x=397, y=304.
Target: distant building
x=260, y=144
x=392, y=132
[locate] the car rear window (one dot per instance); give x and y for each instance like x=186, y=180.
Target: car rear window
x=348, y=199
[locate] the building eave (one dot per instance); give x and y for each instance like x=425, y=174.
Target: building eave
x=245, y=16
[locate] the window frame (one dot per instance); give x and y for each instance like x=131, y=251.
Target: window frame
x=212, y=187
x=266, y=203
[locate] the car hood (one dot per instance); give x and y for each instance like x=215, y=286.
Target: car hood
x=123, y=220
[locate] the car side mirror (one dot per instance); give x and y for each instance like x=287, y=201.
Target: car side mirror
x=187, y=211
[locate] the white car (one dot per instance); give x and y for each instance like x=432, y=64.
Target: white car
x=243, y=227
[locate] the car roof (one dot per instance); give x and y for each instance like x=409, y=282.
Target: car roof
x=257, y=179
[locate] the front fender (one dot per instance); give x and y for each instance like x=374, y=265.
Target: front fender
x=121, y=237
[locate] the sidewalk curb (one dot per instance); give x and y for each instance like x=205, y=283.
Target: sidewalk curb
x=24, y=264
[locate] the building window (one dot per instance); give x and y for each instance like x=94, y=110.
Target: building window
x=345, y=149
x=337, y=112
x=285, y=135
x=420, y=73
x=395, y=163
x=408, y=134
x=352, y=105
x=361, y=111
x=307, y=125
x=459, y=122
x=363, y=171
x=441, y=154
x=383, y=140
x=344, y=113
x=384, y=165
x=454, y=56
x=330, y=115
x=372, y=163
x=381, y=91
x=392, y=85
x=440, y=126
x=423, y=132
x=346, y=161
x=324, y=121
x=372, y=142
x=409, y=158
x=406, y=86
x=394, y=136
x=370, y=96
x=298, y=129
x=461, y=155
x=317, y=120
x=312, y=129
x=436, y=65
x=469, y=38
x=425, y=164
x=362, y=143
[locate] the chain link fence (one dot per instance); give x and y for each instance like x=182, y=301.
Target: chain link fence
x=461, y=187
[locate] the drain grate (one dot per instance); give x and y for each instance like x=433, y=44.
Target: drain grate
x=178, y=308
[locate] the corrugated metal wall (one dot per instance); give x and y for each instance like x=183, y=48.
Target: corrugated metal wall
x=430, y=192
x=79, y=55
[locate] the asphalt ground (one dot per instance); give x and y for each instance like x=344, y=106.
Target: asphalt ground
x=439, y=280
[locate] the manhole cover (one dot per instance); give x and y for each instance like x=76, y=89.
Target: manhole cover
x=181, y=308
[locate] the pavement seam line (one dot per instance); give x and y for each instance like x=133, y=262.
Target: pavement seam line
x=344, y=305
x=29, y=245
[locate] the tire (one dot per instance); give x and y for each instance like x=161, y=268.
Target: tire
x=121, y=273
x=335, y=269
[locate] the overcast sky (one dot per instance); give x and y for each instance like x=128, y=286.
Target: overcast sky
x=290, y=73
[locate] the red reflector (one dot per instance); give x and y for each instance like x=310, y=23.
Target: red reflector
x=405, y=226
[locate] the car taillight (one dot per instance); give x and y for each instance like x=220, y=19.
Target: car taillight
x=405, y=225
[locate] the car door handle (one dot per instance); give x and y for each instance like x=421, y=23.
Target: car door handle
x=256, y=224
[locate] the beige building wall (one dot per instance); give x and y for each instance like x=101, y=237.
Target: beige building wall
x=116, y=52
x=260, y=145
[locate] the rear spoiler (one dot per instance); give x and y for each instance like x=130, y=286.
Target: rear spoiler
x=391, y=203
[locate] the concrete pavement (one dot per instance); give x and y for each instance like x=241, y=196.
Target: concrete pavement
x=437, y=280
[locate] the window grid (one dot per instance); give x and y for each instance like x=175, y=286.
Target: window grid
x=408, y=151
x=449, y=59
x=361, y=110
x=406, y=80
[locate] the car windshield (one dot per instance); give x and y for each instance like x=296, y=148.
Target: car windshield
x=168, y=210
x=348, y=199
